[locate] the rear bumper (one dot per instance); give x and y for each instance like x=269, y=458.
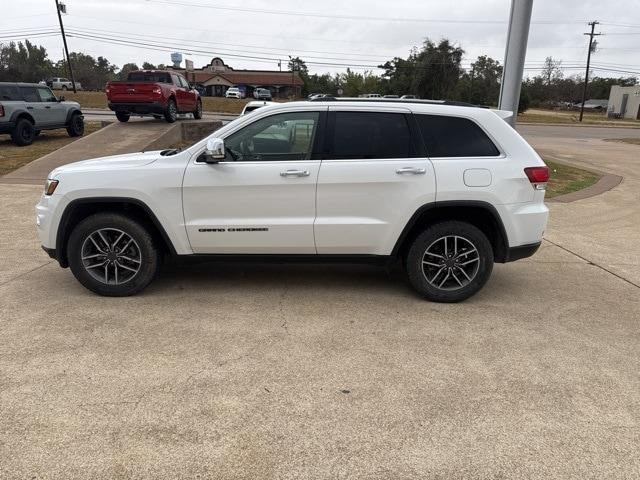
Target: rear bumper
x=522, y=251
x=6, y=127
x=139, y=108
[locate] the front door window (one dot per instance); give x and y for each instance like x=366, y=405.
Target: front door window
x=282, y=137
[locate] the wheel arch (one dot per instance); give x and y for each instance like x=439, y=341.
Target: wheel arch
x=482, y=215
x=79, y=209
x=22, y=114
x=71, y=113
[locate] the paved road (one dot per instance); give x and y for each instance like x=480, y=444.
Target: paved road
x=97, y=115
x=573, y=132
x=332, y=372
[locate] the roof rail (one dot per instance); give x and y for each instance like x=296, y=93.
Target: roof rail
x=396, y=100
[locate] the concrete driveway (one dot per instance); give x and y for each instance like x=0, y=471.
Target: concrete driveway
x=331, y=372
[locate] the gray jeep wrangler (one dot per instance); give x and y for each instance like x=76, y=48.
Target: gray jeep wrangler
x=28, y=108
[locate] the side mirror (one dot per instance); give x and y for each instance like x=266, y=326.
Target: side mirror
x=214, y=151
x=62, y=99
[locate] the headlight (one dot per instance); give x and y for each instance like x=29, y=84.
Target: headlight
x=50, y=187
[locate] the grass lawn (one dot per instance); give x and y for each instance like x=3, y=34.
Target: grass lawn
x=566, y=179
x=571, y=117
x=13, y=156
x=631, y=141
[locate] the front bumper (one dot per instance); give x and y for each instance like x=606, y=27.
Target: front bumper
x=139, y=108
x=521, y=251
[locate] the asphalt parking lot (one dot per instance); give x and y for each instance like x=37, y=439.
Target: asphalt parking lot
x=221, y=371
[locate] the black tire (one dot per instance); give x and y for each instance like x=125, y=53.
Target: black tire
x=64, y=88
x=75, y=127
x=171, y=112
x=464, y=275
x=23, y=133
x=197, y=113
x=141, y=254
x=123, y=117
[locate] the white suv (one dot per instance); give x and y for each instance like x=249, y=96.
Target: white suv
x=446, y=190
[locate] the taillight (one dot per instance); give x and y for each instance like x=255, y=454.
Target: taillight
x=537, y=174
x=1, y=111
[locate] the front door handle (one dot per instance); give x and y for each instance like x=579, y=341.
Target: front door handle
x=412, y=170
x=295, y=173
x=47, y=106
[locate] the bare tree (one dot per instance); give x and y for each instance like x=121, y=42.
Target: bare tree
x=552, y=70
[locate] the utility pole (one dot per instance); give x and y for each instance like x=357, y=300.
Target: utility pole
x=586, y=74
x=515, y=52
x=293, y=68
x=66, y=50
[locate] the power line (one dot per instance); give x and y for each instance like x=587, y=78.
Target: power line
x=350, y=17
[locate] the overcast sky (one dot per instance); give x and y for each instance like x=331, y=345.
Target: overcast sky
x=329, y=34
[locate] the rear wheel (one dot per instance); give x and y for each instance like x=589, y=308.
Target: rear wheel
x=197, y=113
x=112, y=255
x=64, y=88
x=449, y=261
x=122, y=116
x=75, y=127
x=23, y=133
x=171, y=113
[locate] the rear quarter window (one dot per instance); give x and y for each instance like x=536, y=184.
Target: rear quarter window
x=9, y=93
x=446, y=136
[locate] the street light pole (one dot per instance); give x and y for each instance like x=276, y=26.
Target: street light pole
x=514, y=55
x=66, y=50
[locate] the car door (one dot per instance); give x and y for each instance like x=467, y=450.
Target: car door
x=261, y=199
x=54, y=113
x=34, y=106
x=372, y=180
x=182, y=95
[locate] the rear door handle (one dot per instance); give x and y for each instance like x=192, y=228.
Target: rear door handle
x=412, y=170
x=295, y=173
x=48, y=106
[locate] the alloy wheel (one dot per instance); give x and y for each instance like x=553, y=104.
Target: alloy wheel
x=450, y=263
x=111, y=256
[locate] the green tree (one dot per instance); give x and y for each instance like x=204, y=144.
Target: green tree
x=126, y=68
x=148, y=66
x=92, y=73
x=24, y=62
x=481, y=84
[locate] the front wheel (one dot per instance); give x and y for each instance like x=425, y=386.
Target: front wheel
x=171, y=113
x=449, y=261
x=197, y=113
x=112, y=255
x=75, y=127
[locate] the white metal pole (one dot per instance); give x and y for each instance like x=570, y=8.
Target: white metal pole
x=514, y=55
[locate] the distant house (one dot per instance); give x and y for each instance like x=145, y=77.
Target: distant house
x=217, y=77
x=624, y=102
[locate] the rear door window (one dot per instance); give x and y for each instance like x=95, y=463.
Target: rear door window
x=446, y=136
x=370, y=135
x=9, y=93
x=29, y=94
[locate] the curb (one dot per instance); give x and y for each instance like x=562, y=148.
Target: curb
x=606, y=182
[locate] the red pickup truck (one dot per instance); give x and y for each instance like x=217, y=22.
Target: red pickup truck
x=153, y=92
